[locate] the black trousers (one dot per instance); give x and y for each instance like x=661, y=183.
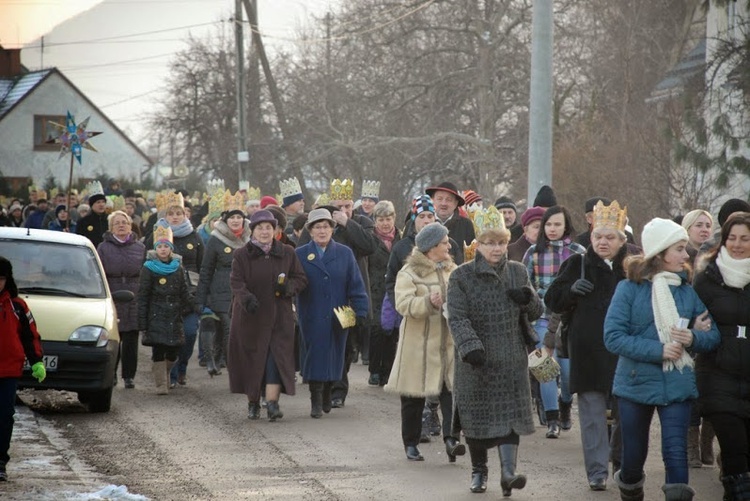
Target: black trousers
x=382, y=351
x=411, y=416
x=733, y=433
x=129, y=353
x=341, y=387
x=159, y=353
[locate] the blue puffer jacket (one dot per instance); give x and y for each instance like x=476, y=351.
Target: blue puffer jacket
x=630, y=332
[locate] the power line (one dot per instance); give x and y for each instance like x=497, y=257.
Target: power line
x=126, y=61
x=131, y=98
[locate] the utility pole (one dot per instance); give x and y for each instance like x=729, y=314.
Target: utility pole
x=540, y=106
x=243, y=156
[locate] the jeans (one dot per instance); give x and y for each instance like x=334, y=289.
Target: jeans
x=190, y=326
x=549, y=389
x=635, y=423
x=7, y=410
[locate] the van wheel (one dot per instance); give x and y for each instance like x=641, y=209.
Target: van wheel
x=97, y=401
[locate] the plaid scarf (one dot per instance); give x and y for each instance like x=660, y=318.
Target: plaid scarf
x=543, y=266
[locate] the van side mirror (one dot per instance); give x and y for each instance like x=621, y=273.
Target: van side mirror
x=123, y=296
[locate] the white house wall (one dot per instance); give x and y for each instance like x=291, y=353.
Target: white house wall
x=54, y=96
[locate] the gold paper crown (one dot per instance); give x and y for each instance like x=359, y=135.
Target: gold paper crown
x=216, y=197
x=94, y=188
x=370, y=189
x=162, y=232
x=233, y=202
x=347, y=317
x=610, y=216
x=32, y=188
x=323, y=199
x=41, y=194
x=118, y=202
x=53, y=192
x=167, y=199
x=342, y=190
x=252, y=193
x=289, y=187
x=487, y=219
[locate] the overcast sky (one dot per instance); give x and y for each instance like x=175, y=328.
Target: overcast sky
x=117, y=51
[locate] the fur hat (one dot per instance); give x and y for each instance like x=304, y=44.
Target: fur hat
x=96, y=197
x=279, y=214
x=545, y=198
x=262, y=216
x=659, y=234
x=730, y=207
x=505, y=203
x=591, y=202
x=430, y=236
x=532, y=214
x=6, y=270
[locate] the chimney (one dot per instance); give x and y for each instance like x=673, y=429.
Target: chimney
x=10, y=62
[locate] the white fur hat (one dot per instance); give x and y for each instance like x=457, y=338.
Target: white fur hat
x=659, y=234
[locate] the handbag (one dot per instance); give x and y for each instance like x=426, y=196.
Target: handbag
x=530, y=337
x=543, y=367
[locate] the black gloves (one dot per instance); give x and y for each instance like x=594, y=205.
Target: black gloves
x=279, y=289
x=581, y=287
x=251, y=304
x=521, y=296
x=475, y=358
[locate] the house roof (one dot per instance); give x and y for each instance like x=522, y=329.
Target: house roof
x=14, y=90
x=693, y=64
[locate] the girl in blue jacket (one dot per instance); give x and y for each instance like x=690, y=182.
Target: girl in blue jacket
x=647, y=326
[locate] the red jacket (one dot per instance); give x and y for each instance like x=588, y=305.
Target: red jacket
x=19, y=337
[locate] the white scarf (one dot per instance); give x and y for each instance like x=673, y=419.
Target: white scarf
x=666, y=315
x=735, y=272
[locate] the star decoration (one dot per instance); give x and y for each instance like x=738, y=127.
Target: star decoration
x=73, y=137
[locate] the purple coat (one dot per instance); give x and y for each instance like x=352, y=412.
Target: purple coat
x=122, y=263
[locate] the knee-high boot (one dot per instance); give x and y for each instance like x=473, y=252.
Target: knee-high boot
x=630, y=492
x=509, y=479
x=478, y=468
x=208, y=338
x=316, y=399
x=677, y=492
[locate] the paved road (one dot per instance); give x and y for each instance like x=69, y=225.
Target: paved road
x=197, y=443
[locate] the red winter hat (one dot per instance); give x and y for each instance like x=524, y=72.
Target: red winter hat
x=532, y=214
x=268, y=200
x=471, y=197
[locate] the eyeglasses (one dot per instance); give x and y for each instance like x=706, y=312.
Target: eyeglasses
x=494, y=244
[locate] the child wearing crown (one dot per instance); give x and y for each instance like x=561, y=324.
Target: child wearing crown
x=163, y=300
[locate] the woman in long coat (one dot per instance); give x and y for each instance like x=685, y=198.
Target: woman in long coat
x=492, y=395
x=424, y=361
x=122, y=256
x=334, y=280
x=266, y=275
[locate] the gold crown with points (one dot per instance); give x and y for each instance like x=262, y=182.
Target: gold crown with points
x=53, y=193
x=41, y=194
x=252, y=193
x=215, y=197
x=487, y=219
x=610, y=216
x=162, y=232
x=167, y=199
x=346, y=316
x=323, y=199
x=118, y=202
x=342, y=189
x=289, y=187
x=233, y=202
x=371, y=189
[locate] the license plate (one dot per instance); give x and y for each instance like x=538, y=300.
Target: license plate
x=50, y=363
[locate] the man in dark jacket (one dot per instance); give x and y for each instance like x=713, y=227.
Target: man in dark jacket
x=35, y=219
x=508, y=209
x=446, y=200
x=95, y=223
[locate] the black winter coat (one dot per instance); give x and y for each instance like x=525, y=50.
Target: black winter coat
x=190, y=248
x=377, y=268
x=592, y=366
x=460, y=229
x=162, y=302
x=93, y=227
x=723, y=376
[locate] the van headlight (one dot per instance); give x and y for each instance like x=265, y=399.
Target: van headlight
x=90, y=334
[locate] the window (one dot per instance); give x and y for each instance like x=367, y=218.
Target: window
x=44, y=130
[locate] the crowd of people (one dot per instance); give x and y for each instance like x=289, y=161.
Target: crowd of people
x=445, y=310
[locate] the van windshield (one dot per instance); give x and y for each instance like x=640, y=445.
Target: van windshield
x=48, y=268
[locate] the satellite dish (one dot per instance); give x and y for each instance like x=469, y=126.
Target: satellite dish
x=181, y=171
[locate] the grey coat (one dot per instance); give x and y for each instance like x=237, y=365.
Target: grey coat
x=494, y=400
x=122, y=263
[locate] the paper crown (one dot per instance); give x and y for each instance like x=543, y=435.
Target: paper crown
x=346, y=316
x=167, y=199
x=610, y=216
x=342, y=190
x=233, y=202
x=32, y=188
x=487, y=219
x=118, y=202
x=252, y=193
x=41, y=194
x=53, y=193
x=371, y=189
x=94, y=188
x=289, y=187
x=162, y=233
x=216, y=197
x=323, y=199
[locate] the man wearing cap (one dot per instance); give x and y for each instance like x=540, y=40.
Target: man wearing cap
x=531, y=222
x=95, y=223
x=36, y=218
x=446, y=200
x=508, y=209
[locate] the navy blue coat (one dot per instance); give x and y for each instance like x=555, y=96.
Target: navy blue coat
x=333, y=280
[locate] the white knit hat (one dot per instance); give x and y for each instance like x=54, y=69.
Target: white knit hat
x=659, y=234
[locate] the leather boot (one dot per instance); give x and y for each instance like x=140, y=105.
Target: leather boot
x=553, y=424
x=274, y=413
x=630, y=492
x=509, y=479
x=478, y=469
x=454, y=448
x=707, y=443
x=736, y=487
x=693, y=447
x=316, y=399
x=159, y=371
x=327, y=388
x=677, y=492
x=208, y=338
x=566, y=422
x=253, y=410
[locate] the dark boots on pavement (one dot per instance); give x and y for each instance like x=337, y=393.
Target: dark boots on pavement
x=566, y=422
x=630, y=492
x=478, y=469
x=274, y=413
x=678, y=492
x=454, y=448
x=736, y=487
x=316, y=399
x=553, y=424
x=509, y=479
x=208, y=339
